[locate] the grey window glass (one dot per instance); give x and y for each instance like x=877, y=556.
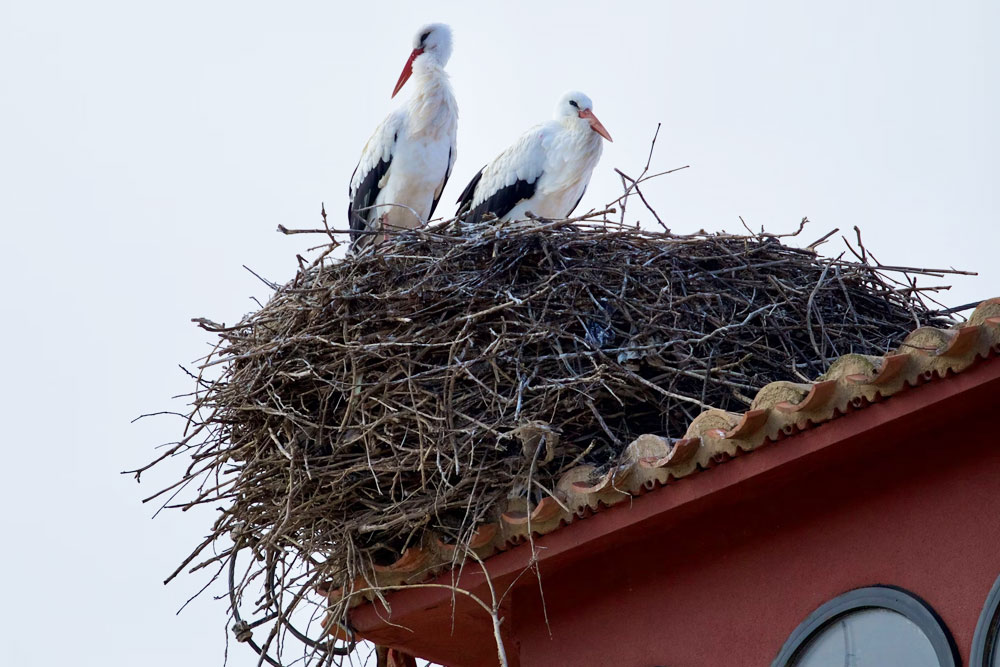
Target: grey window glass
x=869, y=637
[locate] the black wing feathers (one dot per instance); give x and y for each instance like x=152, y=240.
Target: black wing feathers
x=365, y=196
x=503, y=200
x=465, y=199
x=500, y=203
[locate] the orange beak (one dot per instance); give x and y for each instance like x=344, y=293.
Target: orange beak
x=407, y=70
x=595, y=124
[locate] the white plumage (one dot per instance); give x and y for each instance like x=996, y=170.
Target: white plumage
x=546, y=171
x=405, y=164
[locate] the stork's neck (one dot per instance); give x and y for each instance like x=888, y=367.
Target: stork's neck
x=581, y=145
x=432, y=104
x=582, y=133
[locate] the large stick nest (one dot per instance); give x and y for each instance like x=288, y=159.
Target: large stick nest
x=379, y=399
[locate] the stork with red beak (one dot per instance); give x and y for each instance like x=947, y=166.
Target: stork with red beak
x=545, y=172
x=406, y=163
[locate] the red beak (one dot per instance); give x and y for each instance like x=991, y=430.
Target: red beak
x=407, y=70
x=595, y=124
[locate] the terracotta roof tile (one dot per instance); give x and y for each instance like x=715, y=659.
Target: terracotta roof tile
x=779, y=409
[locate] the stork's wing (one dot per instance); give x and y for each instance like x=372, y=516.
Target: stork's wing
x=501, y=202
x=508, y=180
x=465, y=199
x=444, y=182
x=369, y=176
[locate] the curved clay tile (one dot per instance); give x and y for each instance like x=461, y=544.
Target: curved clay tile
x=879, y=371
x=750, y=422
x=481, y=537
x=986, y=311
x=412, y=560
x=543, y=512
x=681, y=451
x=566, y=486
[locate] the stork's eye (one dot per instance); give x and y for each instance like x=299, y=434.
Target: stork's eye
x=423, y=37
x=573, y=104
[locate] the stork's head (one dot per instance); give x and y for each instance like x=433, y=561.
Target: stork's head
x=431, y=45
x=576, y=105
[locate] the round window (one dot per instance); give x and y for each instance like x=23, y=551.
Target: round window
x=986, y=642
x=870, y=627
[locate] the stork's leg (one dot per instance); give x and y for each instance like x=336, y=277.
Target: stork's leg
x=381, y=225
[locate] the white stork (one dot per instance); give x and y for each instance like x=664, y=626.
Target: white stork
x=546, y=171
x=406, y=163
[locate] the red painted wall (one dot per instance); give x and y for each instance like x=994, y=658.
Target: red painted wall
x=728, y=586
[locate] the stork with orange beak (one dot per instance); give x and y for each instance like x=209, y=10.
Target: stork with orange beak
x=406, y=163
x=545, y=172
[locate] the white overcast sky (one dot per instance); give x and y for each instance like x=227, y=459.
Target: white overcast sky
x=148, y=150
